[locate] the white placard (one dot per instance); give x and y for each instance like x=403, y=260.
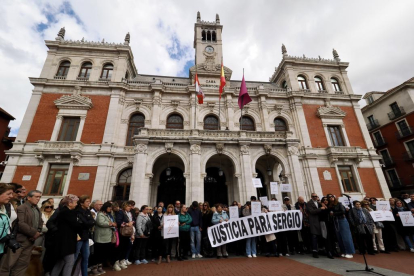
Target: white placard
x=170, y=229
x=275, y=206
x=407, y=218
x=344, y=200
x=257, y=183
x=285, y=188
x=264, y=200
x=26, y=177
x=383, y=206
x=234, y=212
x=274, y=189
x=382, y=216
x=256, y=208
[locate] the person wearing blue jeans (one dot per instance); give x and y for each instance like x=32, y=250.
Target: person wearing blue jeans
x=86, y=221
x=195, y=229
x=251, y=247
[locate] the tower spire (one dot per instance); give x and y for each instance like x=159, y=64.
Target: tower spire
x=335, y=55
x=198, y=17
x=284, y=51
x=127, y=39
x=217, y=18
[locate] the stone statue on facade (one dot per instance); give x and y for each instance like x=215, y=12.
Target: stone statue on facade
x=127, y=39
x=61, y=34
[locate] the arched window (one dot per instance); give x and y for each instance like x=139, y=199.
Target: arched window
x=280, y=125
x=63, y=69
x=208, y=36
x=211, y=122
x=335, y=85
x=175, y=121
x=214, y=38
x=203, y=35
x=319, y=83
x=302, y=82
x=107, y=71
x=85, y=70
x=247, y=124
x=121, y=190
x=136, y=122
x=284, y=84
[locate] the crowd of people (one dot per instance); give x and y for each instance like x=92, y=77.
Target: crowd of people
x=82, y=237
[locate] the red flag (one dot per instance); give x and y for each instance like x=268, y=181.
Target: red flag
x=222, y=80
x=244, y=97
x=200, y=93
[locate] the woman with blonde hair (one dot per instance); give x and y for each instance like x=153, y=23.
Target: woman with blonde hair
x=168, y=243
x=124, y=219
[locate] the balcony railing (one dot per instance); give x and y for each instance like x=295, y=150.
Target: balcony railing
x=388, y=161
x=59, y=77
x=373, y=124
x=408, y=156
x=396, y=113
x=322, y=91
x=82, y=78
x=379, y=142
x=339, y=92
x=404, y=132
x=104, y=79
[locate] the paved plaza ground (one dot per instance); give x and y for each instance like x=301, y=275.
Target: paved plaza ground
x=401, y=263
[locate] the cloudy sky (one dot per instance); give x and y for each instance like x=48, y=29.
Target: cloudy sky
x=375, y=36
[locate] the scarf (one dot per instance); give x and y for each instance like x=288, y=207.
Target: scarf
x=401, y=209
x=361, y=216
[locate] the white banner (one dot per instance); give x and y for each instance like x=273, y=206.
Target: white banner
x=275, y=206
x=383, y=206
x=257, y=183
x=253, y=226
x=234, y=212
x=285, y=188
x=407, y=218
x=170, y=229
x=264, y=200
x=382, y=216
x=274, y=189
x=256, y=208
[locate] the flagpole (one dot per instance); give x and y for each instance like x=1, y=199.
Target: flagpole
x=195, y=102
x=219, y=122
x=241, y=111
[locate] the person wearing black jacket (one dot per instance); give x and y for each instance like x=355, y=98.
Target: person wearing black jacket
x=156, y=234
x=124, y=218
x=196, y=227
x=87, y=222
x=207, y=215
x=65, y=236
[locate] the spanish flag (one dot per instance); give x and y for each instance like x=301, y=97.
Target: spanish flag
x=200, y=93
x=222, y=80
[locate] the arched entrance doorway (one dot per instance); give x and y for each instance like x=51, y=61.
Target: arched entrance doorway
x=215, y=189
x=121, y=190
x=261, y=191
x=268, y=169
x=172, y=187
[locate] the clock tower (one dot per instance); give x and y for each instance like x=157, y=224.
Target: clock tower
x=208, y=48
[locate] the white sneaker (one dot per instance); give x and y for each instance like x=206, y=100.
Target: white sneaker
x=128, y=262
x=287, y=255
x=249, y=256
x=116, y=266
x=254, y=256
x=123, y=265
x=199, y=255
x=349, y=256
x=193, y=256
x=412, y=250
x=343, y=255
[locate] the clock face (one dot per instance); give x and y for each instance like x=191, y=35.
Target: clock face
x=209, y=49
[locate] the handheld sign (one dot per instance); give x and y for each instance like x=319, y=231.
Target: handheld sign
x=257, y=183
x=285, y=188
x=170, y=229
x=407, y=218
x=383, y=206
x=274, y=189
x=234, y=212
x=264, y=200
x=275, y=206
x=382, y=216
x=256, y=208
x=407, y=200
x=344, y=200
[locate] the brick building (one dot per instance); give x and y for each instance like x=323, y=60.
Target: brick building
x=6, y=140
x=390, y=120
x=94, y=125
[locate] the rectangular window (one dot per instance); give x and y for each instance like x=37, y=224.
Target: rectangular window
x=395, y=108
x=386, y=157
x=393, y=178
x=347, y=179
x=69, y=129
x=336, y=136
x=370, y=100
x=56, y=178
x=402, y=126
x=371, y=120
x=378, y=139
x=410, y=146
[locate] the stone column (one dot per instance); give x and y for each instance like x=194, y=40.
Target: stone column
x=300, y=121
x=28, y=116
x=381, y=179
x=247, y=174
x=140, y=190
x=193, y=110
x=156, y=110
x=56, y=128
x=197, y=189
x=102, y=179
x=80, y=129
x=230, y=112
x=265, y=114
x=114, y=116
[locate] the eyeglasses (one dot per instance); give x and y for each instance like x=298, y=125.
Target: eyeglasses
x=48, y=207
x=314, y=196
x=19, y=192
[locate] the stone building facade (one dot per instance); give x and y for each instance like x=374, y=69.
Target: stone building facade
x=94, y=125
x=390, y=120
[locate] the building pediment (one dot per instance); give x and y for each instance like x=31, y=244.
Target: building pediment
x=330, y=112
x=210, y=69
